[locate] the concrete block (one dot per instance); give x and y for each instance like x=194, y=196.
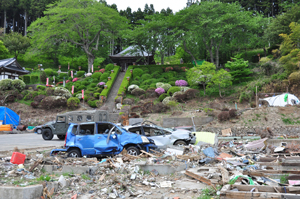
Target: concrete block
x=174, y=122
x=135, y=120
x=51, y=185
x=30, y=192
x=163, y=169
x=76, y=170
x=48, y=168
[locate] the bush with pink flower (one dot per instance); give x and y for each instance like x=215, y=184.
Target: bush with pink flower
x=168, y=69
x=101, y=84
x=102, y=70
x=67, y=81
x=181, y=83
x=160, y=91
x=75, y=79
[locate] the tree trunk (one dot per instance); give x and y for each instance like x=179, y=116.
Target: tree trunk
x=210, y=51
x=13, y=26
x=25, y=25
x=217, y=53
x=189, y=52
x=162, y=56
x=4, y=22
x=220, y=93
x=90, y=61
x=203, y=88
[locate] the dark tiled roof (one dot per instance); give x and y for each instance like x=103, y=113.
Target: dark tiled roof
x=11, y=64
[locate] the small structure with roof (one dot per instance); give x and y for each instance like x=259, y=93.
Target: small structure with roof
x=131, y=56
x=11, y=69
x=285, y=99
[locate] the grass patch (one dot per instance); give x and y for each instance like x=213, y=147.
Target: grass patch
x=85, y=177
x=27, y=102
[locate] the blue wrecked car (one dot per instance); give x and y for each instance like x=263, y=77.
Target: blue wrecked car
x=99, y=139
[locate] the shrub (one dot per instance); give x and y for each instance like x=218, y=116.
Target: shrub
x=92, y=103
x=96, y=95
x=53, y=102
x=39, y=98
x=125, y=83
x=5, y=84
x=88, y=74
x=173, y=89
x=102, y=70
x=35, y=104
x=168, y=69
x=160, y=108
x=172, y=83
x=132, y=87
x=167, y=100
x=75, y=79
x=26, y=79
x=18, y=84
x=62, y=75
x=109, y=67
x=223, y=116
x=232, y=112
x=138, y=92
x=181, y=83
x=159, y=84
x=80, y=73
x=40, y=87
x=101, y=84
x=73, y=102
x=137, y=72
x=179, y=96
x=155, y=74
x=166, y=86
x=160, y=91
x=191, y=93
x=49, y=91
x=49, y=72
x=104, y=76
x=69, y=72
x=96, y=75
x=294, y=77
x=146, y=76
x=43, y=76
x=60, y=91
x=162, y=96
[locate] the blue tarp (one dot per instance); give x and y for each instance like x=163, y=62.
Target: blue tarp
x=8, y=116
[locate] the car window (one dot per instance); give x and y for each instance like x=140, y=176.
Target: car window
x=79, y=118
x=136, y=130
x=74, y=130
x=61, y=119
x=118, y=131
x=86, y=129
x=70, y=118
x=156, y=132
x=89, y=118
x=167, y=132
x=104, y=128
x=147, y=131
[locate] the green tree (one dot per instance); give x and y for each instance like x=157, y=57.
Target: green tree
x=202, y=74
x=16, y=43
x=222, y=79
x=212, y=21
x=290, y=49
x=3, y=51
x=81, y=23
x=238, y=69
x=5, y=5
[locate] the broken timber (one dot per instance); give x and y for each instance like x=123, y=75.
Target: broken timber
x=200, y=178
x=263, y=192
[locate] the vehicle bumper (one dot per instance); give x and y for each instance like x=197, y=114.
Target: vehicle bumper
x=53, y=151
x=193, y=140
x=147, y=147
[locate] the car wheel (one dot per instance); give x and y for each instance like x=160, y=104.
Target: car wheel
x=180, y=143
x=39, y=131
x=74, y=153
x=132, y=150
x=61, y=137
x=47, y=134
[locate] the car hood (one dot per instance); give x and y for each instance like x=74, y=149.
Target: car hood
x=181, y=133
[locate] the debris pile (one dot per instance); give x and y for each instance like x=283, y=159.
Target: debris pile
x=264, y=168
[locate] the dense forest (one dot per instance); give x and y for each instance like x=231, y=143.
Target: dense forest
x=87, y=32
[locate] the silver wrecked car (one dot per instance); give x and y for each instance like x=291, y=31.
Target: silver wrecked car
x=162, y=136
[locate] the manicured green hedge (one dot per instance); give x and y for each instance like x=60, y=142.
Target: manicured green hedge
x=26, y=79
x=154, y=68
x=34, y=78
x=110, y=83
x=125, y=82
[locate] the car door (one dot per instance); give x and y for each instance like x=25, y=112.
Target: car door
x=106, y=139
x=160, y=138
x=85, y=139
x=61, y=125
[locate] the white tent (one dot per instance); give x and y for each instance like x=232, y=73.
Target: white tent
x=279, y=100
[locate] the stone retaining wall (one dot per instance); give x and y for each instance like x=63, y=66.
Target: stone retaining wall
x=242, y=131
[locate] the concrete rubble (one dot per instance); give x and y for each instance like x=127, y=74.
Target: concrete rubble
x=243, y=168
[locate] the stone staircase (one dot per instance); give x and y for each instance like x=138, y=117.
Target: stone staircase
x=110, y=102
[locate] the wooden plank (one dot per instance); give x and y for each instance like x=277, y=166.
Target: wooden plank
x=256, y=195
x=151, y=155
x=254, y=173
x=200, y=178
x=259, y=188
x=225, y=175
